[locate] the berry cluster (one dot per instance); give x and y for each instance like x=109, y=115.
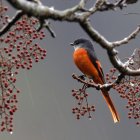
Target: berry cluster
x=3, y=17
x=129, y=89
x=18, y=50
x=82, y=106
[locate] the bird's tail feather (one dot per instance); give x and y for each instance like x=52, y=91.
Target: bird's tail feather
x=111, y=107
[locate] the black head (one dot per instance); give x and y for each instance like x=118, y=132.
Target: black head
x=82, y=43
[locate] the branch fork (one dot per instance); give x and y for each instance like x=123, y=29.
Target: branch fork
x=90, y=82
x=81, y=15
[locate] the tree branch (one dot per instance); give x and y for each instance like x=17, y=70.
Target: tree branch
x=41, y=11
x=94, y=34
x=118, y=4
x=46, y=24
x=127, y=39
x=90, y=83
x=6, y=28
x=80, y=15
x=120, y=66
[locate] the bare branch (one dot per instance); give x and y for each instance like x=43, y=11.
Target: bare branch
x=131, y=1
x=127, y=39
x=95, y=35
x=6, y=28
x=41, y=11
x=46, y=24
x=81, y=16
x=120, y=66
x=118, y=4
x=90, y=82
x=96, y=7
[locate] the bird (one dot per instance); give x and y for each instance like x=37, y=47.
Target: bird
x=85, y=59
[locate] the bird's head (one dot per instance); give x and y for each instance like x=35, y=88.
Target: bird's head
x=82, y=43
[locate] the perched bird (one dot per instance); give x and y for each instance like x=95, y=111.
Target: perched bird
x=85, y=59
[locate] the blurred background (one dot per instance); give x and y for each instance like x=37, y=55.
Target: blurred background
x=45, y=102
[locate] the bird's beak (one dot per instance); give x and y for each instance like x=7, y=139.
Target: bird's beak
x=72, y=44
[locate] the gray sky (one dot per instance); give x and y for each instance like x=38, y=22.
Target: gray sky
x=45, y=101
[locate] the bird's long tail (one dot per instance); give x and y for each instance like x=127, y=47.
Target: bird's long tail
x=111, y=107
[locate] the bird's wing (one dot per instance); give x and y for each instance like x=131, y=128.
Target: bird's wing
x=97, y=64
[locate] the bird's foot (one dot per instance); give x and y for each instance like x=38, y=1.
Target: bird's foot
x=82, y=77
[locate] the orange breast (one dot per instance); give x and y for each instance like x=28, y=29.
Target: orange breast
x=83, y=62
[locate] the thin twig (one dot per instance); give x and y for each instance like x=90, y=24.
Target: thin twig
x=51, y=31
x=47, y=25
x=128, y=38
x=15, y=18
x=90, y=82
